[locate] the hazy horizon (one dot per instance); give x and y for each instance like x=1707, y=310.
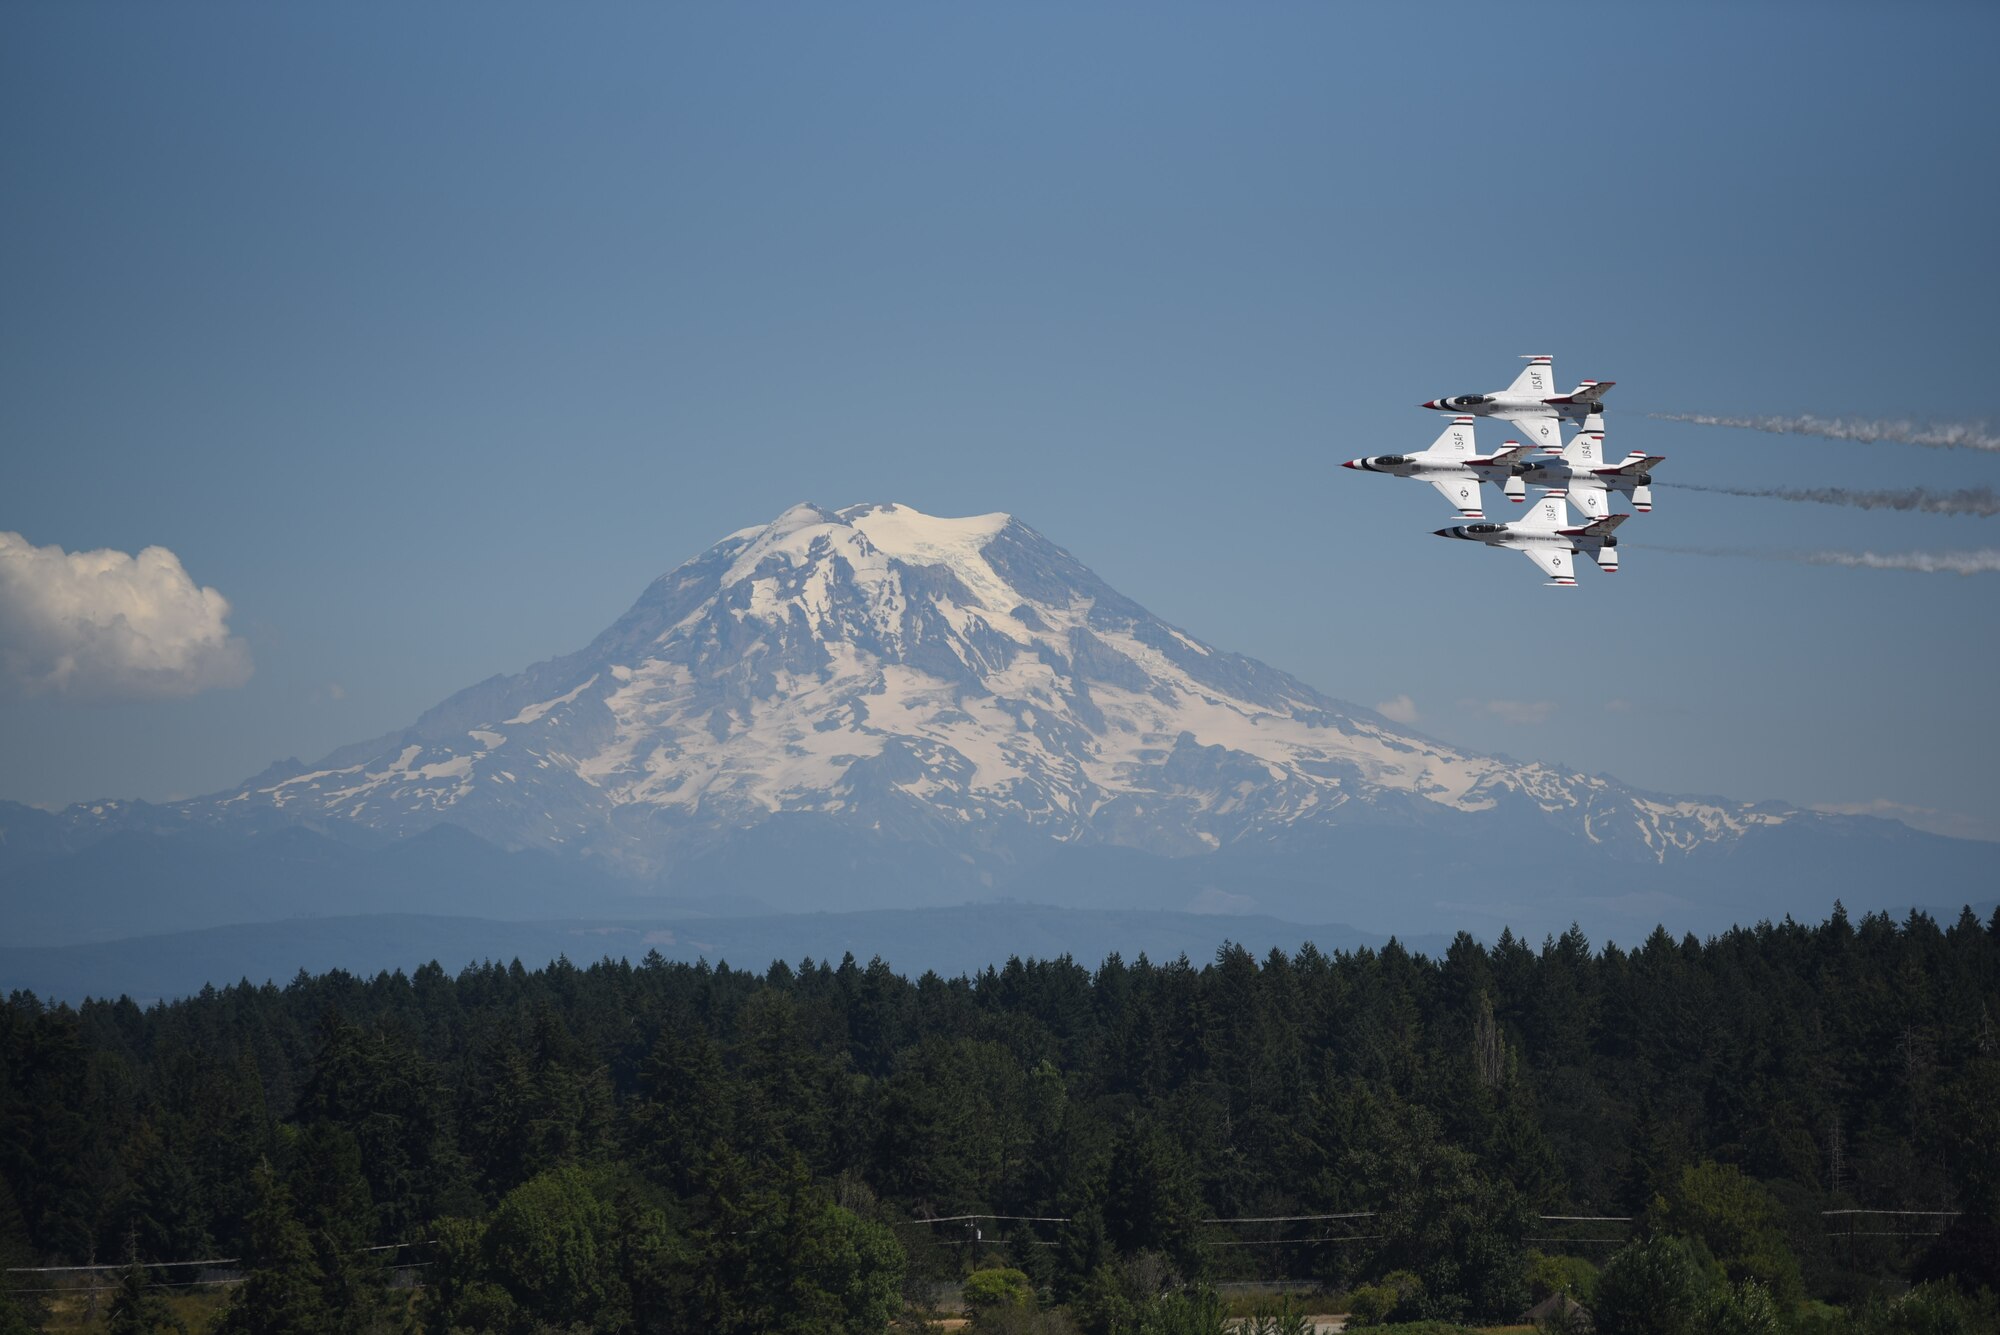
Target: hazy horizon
x=428, y=354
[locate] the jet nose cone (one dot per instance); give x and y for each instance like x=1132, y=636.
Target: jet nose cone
x=1352, y=463
x=1440, y=533
x=1428, y=403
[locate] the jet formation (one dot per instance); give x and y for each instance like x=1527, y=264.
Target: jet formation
x=1576, y=472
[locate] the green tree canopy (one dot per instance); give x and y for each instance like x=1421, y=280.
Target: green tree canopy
x=1737, y=1220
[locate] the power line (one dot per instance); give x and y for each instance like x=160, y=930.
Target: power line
x=145, y=1265
x=173, y=1284
x=168, y=1265
x=1044, y=1219
x=1295, y=1242
x=1063, y=1219
x=1289, y=1218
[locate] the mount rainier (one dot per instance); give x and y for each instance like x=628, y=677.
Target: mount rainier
x=875, y=707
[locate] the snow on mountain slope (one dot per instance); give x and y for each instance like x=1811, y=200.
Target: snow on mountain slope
x=958, y=683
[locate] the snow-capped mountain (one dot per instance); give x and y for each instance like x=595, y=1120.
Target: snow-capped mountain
x=873, y=705
x=953, y=681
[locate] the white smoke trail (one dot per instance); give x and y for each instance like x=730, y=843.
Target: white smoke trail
x=1683, y=549
x=1936, y=435
x=1983, y=561
x=1983, y=502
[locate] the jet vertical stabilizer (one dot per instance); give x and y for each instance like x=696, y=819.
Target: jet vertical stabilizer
x=1547, y=515
x=1586, y=448
x=1536, y=379
x=1456, y=440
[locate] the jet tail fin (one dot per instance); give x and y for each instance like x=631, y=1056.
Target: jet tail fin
x=1586, y=448
x=1548, y=515
x=1537, y=378
x=1456, y=440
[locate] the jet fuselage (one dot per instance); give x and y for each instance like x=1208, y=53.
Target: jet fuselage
x=1547, y=539
x=1532, y=402
x=1583, y=474
x=1538, y=421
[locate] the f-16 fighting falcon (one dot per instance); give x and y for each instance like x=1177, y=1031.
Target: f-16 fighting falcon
x=1531, y=403
x=1580, y=473
x=1452, y=465
x=1545, y=535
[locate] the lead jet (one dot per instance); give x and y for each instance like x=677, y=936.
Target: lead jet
x=1452, y=465
x=1545, y=535
x=1531, y=402
x=1581, y=473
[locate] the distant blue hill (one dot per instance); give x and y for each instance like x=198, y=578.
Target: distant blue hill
x=949, y=941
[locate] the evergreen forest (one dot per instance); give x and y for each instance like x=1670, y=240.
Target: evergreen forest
x=1789, y=1127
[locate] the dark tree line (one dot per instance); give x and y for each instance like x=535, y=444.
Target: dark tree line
x=661, y=1144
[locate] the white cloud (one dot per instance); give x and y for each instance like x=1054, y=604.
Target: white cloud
x=1402, y=709
x=1524, y=712
x=1618, y=705
x=105, y=625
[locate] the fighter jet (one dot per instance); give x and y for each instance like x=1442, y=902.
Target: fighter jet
x=1531, y=403
x=1579, y=472
x=1545, y=535
x=1452, y=465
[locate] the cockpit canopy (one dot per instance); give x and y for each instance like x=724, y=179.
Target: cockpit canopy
x=1485, y=528
x=1388, y=460
x=1469, y=400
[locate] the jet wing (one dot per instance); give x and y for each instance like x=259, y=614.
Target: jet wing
x=1544, y=430
x=1554, y=562
x=1462, y=494
x=1589, y=497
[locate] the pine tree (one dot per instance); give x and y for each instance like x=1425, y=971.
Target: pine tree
x=682, y=1112
x=135, y=1310
x=334, y=1207
x=283, y=1293
x=1152, y=1199
x=15, y=1317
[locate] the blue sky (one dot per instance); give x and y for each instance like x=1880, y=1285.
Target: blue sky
x=429, y=335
